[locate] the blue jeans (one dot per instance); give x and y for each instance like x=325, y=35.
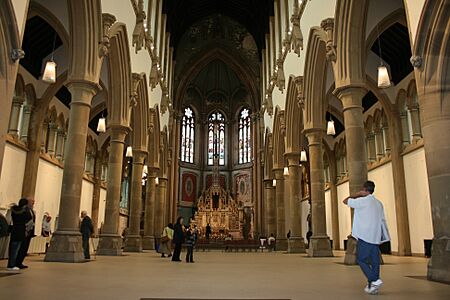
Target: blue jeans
x=14, y=247
x=368, y=258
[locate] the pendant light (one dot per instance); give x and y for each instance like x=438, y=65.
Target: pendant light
x=330, y=127
x=303, y=157
x=129, y=152
x=145, y=169
x=156, y=181
x=49, y=75
x=286, y=171
x=274, y=182
x=383, y=76
x=101, y=126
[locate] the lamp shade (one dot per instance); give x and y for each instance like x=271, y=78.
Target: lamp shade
x=101, y=127
x=129, y=152
x=303, y=157
x=330, y=128
x=145, y=169
x=274, y=182
x=156, y=180
x=383, y=77
x=286, y=171
x=49, y=72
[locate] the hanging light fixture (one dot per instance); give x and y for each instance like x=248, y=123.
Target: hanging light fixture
x=303, y=157
x=383, y=76
x=274, y=182
x=101, y=127
x=129, y=152
x=49, y=75
x=286, y=171
x=330, y=127
x=145, y=169
x=156, y=180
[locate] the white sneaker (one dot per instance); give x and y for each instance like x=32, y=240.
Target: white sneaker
x=13, y=269
x=374, y=287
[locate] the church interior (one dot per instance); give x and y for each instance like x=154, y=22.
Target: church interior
x=247, y=118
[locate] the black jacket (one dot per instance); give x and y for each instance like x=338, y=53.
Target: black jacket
x=4, y=226
x=178, y=235
x=20, y=216
x=86, y=227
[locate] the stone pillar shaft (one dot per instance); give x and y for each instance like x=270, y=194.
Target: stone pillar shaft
x=160, y=206
x=66, y=241
x=15, y=115
x=96, y=192
x=279, y=196
x=110, y=242
x=134, y=241
x=296, y=243
x=271, y=209
x=51, y=145
x=59, y=144
x=149, y=224
x=25, y=122
x=320, y=242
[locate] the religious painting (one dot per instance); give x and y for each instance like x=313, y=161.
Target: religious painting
x=243, y=188
x=189, y=188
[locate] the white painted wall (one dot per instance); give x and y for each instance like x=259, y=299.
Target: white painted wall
x=305, y=211
x=101, y=209
x=384, y=191
x=345, y=226
x=87, y=190
x=418, y=199
x=11, y=177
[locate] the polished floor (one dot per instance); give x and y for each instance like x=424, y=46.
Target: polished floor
x=217, y=275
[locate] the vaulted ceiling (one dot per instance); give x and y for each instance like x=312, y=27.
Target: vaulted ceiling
x=253, y=14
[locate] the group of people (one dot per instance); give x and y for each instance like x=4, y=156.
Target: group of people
x=178, y=234
x=21, y=231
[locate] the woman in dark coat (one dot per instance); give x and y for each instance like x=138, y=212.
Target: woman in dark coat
x=20, y=217
x=178, y=239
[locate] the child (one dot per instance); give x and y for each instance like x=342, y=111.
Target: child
x=190, y=242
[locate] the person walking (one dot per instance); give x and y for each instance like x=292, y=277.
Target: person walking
x=86, y=229
x=19, y=218
x=29, y=227
x=166, y=241
x=178, y=239
x=370, y=229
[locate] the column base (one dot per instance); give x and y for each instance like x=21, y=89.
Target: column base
x=65, y=246
x=110, y=245
x=296, y=245
x=148, y=243
x=350, y=253
x=439, y=264
x=133, y=244
x=320, y=246
x=281, y=244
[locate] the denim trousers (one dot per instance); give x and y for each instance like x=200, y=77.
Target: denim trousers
x=14, y=247
x=368, y=258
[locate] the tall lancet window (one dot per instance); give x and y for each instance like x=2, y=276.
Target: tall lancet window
x=187, y=136
x=245, y=148
x=216, y=138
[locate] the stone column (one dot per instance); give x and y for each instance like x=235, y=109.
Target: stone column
x=148, y=242
x=319, y=245
x=110, y=242
x=405, y=131
x=371, y=147
x=134, y=240
x=26, y=122
x=296, y=243
x=160, y=206
x=96, y=192
x=351, y=99
x=279, y=196
x=415, y=122
x=15, y=115
x=66, y=245
x=271, y=209
x=51, y=139
x=435, y=106
x=379, y=143
x=59, y=143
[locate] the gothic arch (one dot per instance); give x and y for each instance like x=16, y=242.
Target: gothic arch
x=294, y=115
x=118, y=103
x=279, y=133
x=315, y=79
x=349, y=36
x=140, y=113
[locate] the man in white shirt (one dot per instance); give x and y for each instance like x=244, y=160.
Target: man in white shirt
x=369, y=228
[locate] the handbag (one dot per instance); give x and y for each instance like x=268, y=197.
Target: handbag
x=164, y=239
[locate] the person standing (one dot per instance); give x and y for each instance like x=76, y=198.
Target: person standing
x=20, y=217
x=178, y=239
x=208, y=231
x=190, y=243
x=86, y=229
x=166, y=240
x=29, y=227
x=370, y=229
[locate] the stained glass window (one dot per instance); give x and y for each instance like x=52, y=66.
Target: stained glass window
x=216, y=138
x=245, y=149
x=187, y=136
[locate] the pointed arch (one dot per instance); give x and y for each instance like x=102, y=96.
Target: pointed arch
x=315, y=79
x=140, y=113
x=268, y=157
x=294, y=115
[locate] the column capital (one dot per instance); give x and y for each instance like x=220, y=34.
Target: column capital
x=314, y=135
x=18, y=100
x=139, y=157
x=82, y=91
x=293, y=158
x=118, y=132
x=278, y=174
x=350, y=95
